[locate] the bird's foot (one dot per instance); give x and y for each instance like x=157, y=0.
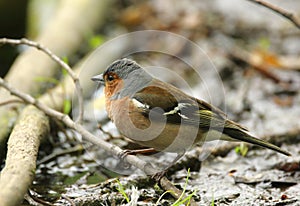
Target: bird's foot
x=157, y=176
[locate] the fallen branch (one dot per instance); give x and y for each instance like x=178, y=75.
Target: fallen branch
x=290, y=16
x=26, y=135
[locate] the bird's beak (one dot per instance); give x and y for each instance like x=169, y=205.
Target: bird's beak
x=98, y=78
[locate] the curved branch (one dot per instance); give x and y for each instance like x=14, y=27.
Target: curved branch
x=64, y=65
x=290, y=16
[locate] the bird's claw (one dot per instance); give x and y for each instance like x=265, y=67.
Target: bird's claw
x=126, y=152
x=157, y=176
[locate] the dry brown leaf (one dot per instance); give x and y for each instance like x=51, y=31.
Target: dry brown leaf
x=266, y=58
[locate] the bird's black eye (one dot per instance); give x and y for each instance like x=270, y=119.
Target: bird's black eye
x=110, y=77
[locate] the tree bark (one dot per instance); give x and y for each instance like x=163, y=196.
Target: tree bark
x=20, y=164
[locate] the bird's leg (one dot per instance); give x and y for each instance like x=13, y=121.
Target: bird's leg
x=159, y=175
x=136, y=151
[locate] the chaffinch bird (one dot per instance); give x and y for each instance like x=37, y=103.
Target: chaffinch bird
x=158, y=115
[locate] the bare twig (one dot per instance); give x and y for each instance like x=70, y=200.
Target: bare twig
x=54, y=155
x=115, y=150
x=246, y=57
x=57, y=60
x=290, y=16
x=35, y=199
x=68, y=199
x=11, y=101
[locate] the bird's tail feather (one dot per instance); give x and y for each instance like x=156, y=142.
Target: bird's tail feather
x=246, y=137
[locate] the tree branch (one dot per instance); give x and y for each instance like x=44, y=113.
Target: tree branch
x=57, y=60
x=10, y=101
x=290, y=16
x=23, y=147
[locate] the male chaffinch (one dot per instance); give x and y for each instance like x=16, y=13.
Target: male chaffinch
x=158, y=115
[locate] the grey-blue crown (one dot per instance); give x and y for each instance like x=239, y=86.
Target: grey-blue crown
x=123, y=67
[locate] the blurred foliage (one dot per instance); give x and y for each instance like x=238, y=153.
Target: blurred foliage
x=96, y=41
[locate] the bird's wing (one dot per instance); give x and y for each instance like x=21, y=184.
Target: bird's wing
x=179, y=108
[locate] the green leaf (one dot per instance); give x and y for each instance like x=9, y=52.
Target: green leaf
x=187, y=199
x=122, y=191
x=67, y=106
x=237, y=149
x=212, y=201
x=242, y=149
x=180, y=201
